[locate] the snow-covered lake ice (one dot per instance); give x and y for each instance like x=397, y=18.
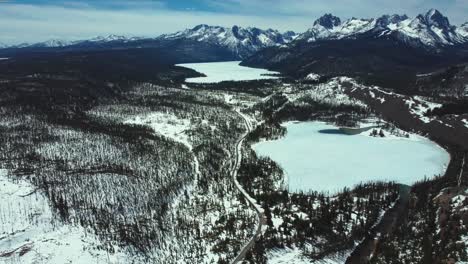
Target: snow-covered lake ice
x=328, y=162
x=226, y=71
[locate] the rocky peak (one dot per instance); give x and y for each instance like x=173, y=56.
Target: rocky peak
x=328, y=21
x=434, y=18
x=386, y=20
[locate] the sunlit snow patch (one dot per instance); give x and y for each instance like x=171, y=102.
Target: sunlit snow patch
x=419, y=107
x=227, y=71
x=167, y=125
x=313, y=77
x=465, y=121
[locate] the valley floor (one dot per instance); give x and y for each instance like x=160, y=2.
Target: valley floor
x=167, y=174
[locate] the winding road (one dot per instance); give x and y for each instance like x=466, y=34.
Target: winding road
x=252, y=202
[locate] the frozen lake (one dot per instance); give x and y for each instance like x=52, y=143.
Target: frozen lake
x=328, y=162
x=226, y=71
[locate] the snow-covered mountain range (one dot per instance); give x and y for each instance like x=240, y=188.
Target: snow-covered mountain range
x=431, y=30
x=241, y=41
x=58, y=43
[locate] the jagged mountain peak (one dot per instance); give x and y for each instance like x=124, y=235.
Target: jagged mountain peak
x=386, y=20
x=201, y=26
x=429, y=30
x=328, y=21
x=435, y=18
x=242, y=41
x=463, y=30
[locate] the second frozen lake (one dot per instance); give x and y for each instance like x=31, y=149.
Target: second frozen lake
x=328, y=162
x=226, y=71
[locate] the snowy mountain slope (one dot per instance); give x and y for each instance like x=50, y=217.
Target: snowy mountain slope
x=53, y=43
x=463, y=30
x=240, y=41
x=330, y=27
x=431, y=30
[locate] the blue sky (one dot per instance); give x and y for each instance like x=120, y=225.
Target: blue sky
x=39, y=20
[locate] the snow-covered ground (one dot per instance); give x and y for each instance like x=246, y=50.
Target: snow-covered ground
x=294, y=255
x=167, y=125
x=313, y=77
x=29, y=232
x=465, y=121
x=226, y=71
x=333, y=93
x=419, y=106
x=329, y=162
x=170, y=126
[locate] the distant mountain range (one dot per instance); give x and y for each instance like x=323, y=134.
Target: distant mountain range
x=403, y=39
x=389, y=51
x=241, y=41
x=56, y=43
x=430, y=30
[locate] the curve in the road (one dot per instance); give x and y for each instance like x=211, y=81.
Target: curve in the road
x=252, y=202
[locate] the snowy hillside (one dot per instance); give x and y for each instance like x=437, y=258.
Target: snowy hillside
x=29, y=232
x=241, y=41
x=430, y=30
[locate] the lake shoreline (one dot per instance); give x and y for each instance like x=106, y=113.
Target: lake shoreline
x=432, y=162
x=216, y=72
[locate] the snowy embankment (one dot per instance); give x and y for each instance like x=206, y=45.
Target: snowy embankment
x=30, y=233
x=226, y=71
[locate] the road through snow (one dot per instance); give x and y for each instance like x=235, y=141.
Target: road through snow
x=252, y=202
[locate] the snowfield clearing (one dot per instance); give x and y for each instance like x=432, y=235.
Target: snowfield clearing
x=328, y=162
x=226, y=71
x=167, y=125
x=295, y=255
